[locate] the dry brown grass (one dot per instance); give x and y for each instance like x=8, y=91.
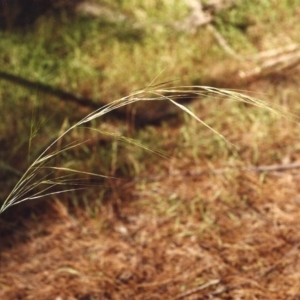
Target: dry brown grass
x=229, y=228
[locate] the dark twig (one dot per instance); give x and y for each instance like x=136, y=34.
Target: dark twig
x=141, y=117
x=66, y=96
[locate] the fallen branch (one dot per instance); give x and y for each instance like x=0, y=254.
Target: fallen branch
x=275, y=64
x=197, y=289
x=256, y=169
x=139, y=117
x=272, y=168
x=224, y=44
x=66, y=96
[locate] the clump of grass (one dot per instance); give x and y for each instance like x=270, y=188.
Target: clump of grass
x=33, y=185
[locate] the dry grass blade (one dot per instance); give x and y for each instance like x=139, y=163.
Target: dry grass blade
x=30, y=181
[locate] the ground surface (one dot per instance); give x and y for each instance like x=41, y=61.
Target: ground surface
x=213, y=220
x=198, y=228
